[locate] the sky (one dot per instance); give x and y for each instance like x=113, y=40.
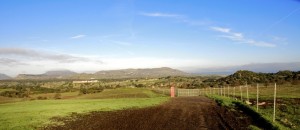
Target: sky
x=92, y=35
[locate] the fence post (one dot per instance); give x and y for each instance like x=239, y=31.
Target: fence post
x=228, y=91
x=256, y=97
x=241, y=93
x=200, y=91
x=247, y=93
x=274, y=103
x=224, y=92
x=234, y=91
x=221, y=90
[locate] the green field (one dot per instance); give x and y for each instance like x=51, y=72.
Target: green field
x=36, y=113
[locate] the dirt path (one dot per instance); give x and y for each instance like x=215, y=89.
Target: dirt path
x=182, y=113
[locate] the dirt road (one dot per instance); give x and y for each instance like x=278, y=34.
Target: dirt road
x=182, y=113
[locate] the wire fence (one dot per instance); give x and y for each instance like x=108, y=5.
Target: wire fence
x=243, y=93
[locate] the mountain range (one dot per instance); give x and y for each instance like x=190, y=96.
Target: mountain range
x=158, y=72
x=109, y=74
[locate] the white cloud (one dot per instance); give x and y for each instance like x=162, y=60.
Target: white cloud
x=78, y=36
x=23, y=54
x=221, y=29
x=157, y=14
x=239, y=37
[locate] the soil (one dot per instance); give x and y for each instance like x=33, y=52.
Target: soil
x=180, y=113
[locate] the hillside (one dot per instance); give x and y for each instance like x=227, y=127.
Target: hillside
x=135, y=73
x=255, y=67
x=132, y=73
x=58, y=74
x=4, y=77
x=109, y=74
x=242, y=77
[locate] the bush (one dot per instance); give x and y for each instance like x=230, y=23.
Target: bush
x=90, y=90
x=15, y=94
x=41, y=98
x=57, y=96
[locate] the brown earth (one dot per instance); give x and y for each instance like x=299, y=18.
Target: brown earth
x=181, y=113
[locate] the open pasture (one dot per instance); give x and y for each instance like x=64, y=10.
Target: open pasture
x=32, y=114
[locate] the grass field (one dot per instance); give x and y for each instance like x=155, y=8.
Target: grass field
x=33, y=114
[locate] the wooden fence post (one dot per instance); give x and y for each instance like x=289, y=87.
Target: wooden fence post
x=274, y=103
x=221, y=91
x=228, y=91
x=257, y=97
x=241, y=93
x=234, y=91
x=200, y=91
x=224, y=92
x=247, y=93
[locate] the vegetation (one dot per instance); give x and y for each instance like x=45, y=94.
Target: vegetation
x=39, y=95
x=264, y=121
x=287, y=103
x=244, y=77
x=33, y=114
x=88, y=90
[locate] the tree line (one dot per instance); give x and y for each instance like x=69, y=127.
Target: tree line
x=243, y=77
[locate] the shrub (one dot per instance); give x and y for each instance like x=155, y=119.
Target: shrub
x=57, y=96
x=90, y=90
x=41, y=98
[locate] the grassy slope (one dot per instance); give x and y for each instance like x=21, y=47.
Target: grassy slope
x=31, y=114
x=287, y=107
x=267, y=119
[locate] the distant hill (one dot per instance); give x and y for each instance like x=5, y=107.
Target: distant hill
x=4, y=77
x=136, y=73
x=109, y=74
x=257, y=67
x=58, y=74
x=243, y=77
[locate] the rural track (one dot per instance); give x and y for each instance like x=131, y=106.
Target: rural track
x=181, y=113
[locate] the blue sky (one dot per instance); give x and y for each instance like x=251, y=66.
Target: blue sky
x=90, y=35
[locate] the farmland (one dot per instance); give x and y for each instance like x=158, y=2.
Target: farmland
x=32, y=114
x=179, y=113
x=63, y=104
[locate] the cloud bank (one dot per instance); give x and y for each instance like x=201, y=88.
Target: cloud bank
x=29, y=54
